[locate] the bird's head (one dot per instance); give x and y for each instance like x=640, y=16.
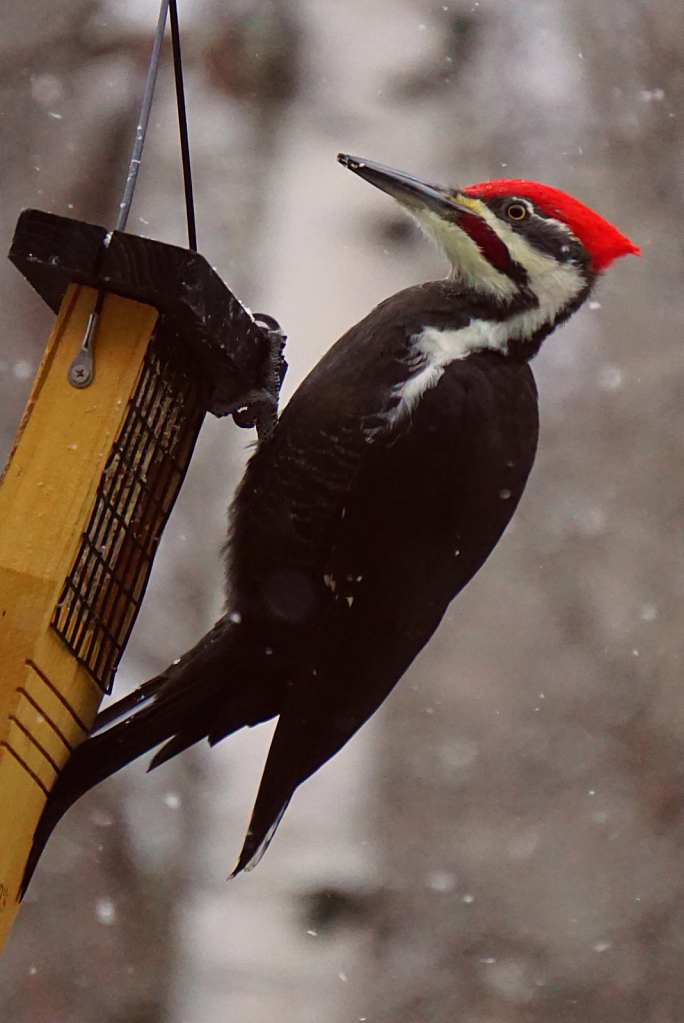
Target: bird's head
x=510, y=240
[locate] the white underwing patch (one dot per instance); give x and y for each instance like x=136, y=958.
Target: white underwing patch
x=437, y=348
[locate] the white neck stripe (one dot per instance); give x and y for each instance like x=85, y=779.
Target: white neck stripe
x=437, y=348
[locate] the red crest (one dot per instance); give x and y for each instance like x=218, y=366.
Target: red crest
x=603, y=242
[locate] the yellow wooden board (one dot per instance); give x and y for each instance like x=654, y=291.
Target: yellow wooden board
x=47, y=700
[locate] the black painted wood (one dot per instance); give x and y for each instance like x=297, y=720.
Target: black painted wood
x=194, y=304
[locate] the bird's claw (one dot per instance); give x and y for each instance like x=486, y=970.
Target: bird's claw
x=259, y=407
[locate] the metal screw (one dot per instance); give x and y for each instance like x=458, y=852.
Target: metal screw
x=80, y=375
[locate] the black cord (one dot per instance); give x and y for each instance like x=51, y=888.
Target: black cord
x=183, y=125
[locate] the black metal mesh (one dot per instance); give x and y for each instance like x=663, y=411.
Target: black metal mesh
x=103, y=593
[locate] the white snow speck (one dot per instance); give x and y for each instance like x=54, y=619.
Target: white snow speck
x=649, y=613
x=468, y=898
x=589, y=520
x=440, y=881
x=236, y=617
x=46, y=89
x=460, y=753
x=523, y=845
x=504, y=494
x=602, y=946
x=609, y=378
x=172, y=800
x=22, y=370
x=508, y=978
x=651, y=95
x=57, y=117
x=105, y=912
x=343, y=976
x=33, y=971
x=593, y=306
x=101, y=819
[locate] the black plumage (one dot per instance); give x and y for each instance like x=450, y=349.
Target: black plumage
x=350, y=535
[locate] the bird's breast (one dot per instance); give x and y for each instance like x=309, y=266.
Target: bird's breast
x=461, y=461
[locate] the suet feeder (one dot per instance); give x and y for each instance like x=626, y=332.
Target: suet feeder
x=147, y=340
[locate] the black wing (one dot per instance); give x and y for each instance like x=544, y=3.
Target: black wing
x=421, y=518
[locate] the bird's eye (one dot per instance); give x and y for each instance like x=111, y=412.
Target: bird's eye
x=516, y=211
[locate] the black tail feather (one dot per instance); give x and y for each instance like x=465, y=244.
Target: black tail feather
x=258, y=839
x=126, y=704
x=277, y=786
x=206, y=693
x=180, y=742
x=96, y=759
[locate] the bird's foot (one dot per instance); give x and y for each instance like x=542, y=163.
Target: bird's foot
x=259, y=407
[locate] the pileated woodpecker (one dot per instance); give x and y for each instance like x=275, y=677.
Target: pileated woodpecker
x=387, y=482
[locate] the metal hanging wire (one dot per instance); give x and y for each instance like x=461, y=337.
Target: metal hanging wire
x=82, y=370
x=144, y=119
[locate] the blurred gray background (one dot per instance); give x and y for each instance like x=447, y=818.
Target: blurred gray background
x=503, y=843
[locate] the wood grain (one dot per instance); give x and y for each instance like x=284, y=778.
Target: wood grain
x=47, y=700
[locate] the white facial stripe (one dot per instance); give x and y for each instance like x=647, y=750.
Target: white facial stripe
x=466, y=260
x=555, y=284
x=556, y=288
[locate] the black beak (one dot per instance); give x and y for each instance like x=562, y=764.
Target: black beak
x=403, y=187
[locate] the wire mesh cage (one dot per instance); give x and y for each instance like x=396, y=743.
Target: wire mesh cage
x=103, y=592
